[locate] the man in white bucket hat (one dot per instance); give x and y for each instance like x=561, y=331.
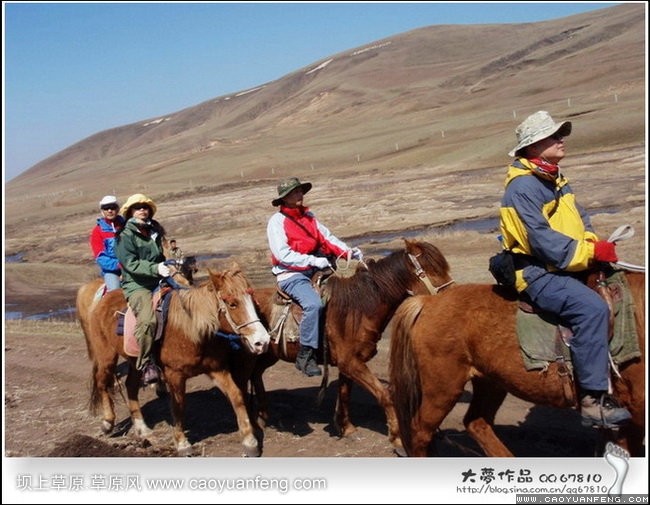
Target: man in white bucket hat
x=552, y=239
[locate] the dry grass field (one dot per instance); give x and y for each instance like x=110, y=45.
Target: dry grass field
x=47, y=368
x=408, y=139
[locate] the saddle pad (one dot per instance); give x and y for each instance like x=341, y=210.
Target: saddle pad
x=537, y=332
x=284, y=322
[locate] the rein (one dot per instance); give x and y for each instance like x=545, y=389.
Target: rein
x=623, y=233
x=419, y=271
x=348, y=258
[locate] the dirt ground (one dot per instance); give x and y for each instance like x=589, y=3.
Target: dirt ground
x=47, y=371
x=47, y=395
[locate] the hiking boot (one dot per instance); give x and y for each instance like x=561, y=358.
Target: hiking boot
x=150, y=374
x=603, y=412
x=306, y=362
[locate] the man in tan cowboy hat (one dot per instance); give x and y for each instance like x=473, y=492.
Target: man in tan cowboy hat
x=300, y=245
x=140, y=251
x=552, y=239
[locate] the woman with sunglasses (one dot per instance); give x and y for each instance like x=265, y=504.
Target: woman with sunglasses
x=553, y=243
x=102, y=241
x=140, y=251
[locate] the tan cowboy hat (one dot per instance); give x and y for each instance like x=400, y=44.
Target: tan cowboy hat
x=287, y=186
x=537, y=127
x=137, y=198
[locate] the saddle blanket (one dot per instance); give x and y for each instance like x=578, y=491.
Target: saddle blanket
x=537, y=333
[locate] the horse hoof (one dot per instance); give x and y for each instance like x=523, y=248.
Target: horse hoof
x=400, y=451
x=107, y=427
x=353, y=436
x=141, y=429
x=252, y=452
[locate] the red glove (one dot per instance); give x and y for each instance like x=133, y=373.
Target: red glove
x=605, y=251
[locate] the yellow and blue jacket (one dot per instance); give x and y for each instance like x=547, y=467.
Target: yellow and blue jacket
x=541, y=222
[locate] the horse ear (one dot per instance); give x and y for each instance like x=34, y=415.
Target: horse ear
x=411, y=245
x=216, y=278
x=235, y=268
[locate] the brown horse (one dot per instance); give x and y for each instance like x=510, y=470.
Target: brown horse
x=195, y=341
x=469, y=333
x=358, y=309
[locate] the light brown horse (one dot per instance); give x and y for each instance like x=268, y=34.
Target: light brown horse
x=468, y=333
x=358, y=309
x=195, y=341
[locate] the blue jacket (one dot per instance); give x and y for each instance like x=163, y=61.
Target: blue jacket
x=102, y=243
x=540, y=218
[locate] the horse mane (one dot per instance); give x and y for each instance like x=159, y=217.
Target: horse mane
x=362, y=292
x=194, y=312
x=385, y=280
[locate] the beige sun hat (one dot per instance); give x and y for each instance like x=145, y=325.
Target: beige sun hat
x=137, y=198
x=287, y=186
x=537, y=127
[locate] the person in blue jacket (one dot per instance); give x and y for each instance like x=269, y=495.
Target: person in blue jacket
x=102, y=241
x=553, y=241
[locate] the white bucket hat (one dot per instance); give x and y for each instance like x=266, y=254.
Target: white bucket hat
x=108, y=200
x=537, y=127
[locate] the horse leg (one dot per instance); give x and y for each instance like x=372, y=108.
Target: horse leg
x=102, y=387
x=342, y=413
x=224, y=381
x=261, y=398
x=362, y=375
x=176, y=383
x=479, y=419
x=133, y=378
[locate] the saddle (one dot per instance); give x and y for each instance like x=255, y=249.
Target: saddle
x=126, y=321
x=286, y=314
x=544, y=339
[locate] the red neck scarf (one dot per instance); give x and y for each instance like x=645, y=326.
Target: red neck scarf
x=546, y=167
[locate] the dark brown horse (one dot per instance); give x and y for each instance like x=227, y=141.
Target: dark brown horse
x=468, y=333
x=358, y=309
x=195, y=341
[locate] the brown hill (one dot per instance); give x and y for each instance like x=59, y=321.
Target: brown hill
x=439, y=99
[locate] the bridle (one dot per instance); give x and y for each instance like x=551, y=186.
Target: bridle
x=224, y=308
x=422, y=275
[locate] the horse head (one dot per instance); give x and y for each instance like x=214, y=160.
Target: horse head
x=430, y=266
x=188, y=266
x=237, y=309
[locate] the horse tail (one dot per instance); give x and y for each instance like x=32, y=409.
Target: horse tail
x=404, y=375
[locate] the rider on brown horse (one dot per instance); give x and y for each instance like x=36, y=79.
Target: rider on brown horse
x=552, y=239
x=300, y=246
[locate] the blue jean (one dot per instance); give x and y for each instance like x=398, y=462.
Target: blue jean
x=112, y=281
x=299, y=288
x=587, y=314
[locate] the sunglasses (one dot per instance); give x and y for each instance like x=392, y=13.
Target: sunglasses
x=557, y=136
x=110, y=207
x=139, y=206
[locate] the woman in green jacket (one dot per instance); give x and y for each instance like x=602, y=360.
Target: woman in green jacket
x=140, y=252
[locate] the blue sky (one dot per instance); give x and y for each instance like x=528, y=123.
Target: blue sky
x=71, y=70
